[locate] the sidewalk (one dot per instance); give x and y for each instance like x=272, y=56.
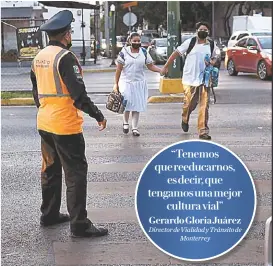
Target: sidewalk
x=102, y=65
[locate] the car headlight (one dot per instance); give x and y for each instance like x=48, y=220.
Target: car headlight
x=103, y=46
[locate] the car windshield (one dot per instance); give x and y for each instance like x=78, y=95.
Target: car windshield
x=186, y=37
x=155, y=35
x=161, y=43
x=121, y=39
x=145, y=39
x=261, y=34
x=266, y=43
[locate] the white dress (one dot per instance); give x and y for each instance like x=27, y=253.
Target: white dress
x=132, y=84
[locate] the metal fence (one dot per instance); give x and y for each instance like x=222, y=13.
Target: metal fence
x=15, y=73
x=15, y=68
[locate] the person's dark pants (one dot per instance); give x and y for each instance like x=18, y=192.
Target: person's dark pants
x=67, y=151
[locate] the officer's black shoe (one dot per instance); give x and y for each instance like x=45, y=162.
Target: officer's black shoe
x=205, y=137
x=185, y=126
x=92, y=231
x=62, y=218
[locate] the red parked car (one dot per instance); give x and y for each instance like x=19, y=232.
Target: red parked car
x=251, y=55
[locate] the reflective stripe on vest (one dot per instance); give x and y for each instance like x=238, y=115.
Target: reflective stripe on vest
x=57, y=78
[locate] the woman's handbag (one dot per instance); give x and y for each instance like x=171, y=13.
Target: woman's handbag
x=115, y=102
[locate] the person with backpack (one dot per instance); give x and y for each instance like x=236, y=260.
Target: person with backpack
x=195, y=89
x=130, y=80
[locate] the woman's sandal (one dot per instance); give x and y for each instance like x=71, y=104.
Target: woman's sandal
x=125, y=128
x=135, y=133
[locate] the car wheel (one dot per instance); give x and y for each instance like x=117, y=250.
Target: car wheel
x=262, y=71
x=231, y=68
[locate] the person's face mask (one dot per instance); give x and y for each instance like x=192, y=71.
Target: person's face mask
x=136, y=45
x=202, y=34
x=69, y=45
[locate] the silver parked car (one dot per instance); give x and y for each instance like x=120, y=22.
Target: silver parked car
x=158, y=50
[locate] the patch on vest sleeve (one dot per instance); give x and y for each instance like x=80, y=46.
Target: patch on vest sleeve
x=76, y=69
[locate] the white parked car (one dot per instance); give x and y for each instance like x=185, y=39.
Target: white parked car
x=237, y=35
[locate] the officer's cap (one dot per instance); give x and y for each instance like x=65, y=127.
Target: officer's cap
x=59, y=23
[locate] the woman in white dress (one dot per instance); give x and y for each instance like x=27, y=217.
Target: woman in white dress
x=130, y=80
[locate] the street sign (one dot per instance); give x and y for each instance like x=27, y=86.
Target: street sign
x=129, y=19
x=129, y=4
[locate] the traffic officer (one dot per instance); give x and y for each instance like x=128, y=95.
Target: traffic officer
x=60, y=95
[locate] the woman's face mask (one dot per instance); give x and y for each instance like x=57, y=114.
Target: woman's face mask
x=136, y=45
x=135, y=42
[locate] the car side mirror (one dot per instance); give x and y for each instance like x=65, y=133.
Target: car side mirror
x=253, y=48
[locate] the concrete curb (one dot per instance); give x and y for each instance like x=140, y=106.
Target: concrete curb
x=103, y=70
x=152, y=99
x=166, y=99
x=17, y=102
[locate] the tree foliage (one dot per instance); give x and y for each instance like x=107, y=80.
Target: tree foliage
x=155, y=12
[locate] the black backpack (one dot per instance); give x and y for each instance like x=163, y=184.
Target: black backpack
x=192, y=44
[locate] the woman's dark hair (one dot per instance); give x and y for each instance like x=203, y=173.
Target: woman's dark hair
x=134, y=34
x=202, y=23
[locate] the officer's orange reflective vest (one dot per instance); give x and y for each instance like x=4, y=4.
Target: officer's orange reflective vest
x=56, y=113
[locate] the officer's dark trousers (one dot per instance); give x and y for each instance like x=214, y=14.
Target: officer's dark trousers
x=67, y=152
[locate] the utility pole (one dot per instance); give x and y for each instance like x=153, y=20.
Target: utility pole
x=97, y=16
x=213, y=19
x=83, y=41
x=106, y=27
x=173, y=12
x=173, y=83
x=113, y=34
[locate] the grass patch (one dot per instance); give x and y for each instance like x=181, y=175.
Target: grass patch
x=14, y=94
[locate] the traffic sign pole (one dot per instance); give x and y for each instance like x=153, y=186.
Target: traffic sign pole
x=130, y=19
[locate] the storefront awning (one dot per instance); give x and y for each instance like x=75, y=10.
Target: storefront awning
x=70, y=4
x=18, y=12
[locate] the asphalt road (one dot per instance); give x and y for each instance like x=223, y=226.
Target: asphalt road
x=13, y=79
x=241, y=120
x=100, y=84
